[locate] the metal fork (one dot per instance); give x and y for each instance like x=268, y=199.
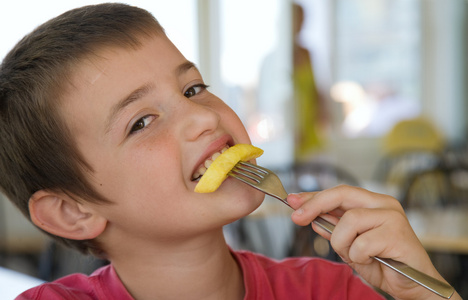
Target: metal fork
x=268, y=182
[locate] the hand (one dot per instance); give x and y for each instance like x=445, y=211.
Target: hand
x=367, y=225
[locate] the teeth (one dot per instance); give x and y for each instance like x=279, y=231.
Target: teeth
x=202, y=170
x=215, y=156
x=207, y=164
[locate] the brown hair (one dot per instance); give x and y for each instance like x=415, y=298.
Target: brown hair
x=37, y=151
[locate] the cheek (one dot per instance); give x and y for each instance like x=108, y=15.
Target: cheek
x=138, y=173
x=153, y=166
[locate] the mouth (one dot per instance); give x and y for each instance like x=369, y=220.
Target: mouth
x=201, y=169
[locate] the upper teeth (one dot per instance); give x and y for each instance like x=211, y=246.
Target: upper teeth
x=203, y=167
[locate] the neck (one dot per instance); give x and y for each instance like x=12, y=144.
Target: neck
x=202, y=268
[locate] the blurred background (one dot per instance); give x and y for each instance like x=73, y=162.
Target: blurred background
x=371, y=93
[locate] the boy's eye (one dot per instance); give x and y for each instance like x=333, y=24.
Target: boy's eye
x=193, y=90
x=141, y=123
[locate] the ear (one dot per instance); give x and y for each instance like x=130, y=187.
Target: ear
x=59, y=214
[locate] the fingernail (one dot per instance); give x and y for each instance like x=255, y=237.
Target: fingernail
x=299, y=212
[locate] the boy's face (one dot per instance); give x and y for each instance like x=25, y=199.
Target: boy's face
x=144, y=121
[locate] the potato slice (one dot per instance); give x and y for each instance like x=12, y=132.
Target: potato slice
x=218, y=170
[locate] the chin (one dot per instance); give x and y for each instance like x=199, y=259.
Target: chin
x=246, y=199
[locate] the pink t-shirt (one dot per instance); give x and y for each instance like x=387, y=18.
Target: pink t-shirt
x=264, y=279
x=300, y=278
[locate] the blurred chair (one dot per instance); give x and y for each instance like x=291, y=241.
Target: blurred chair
x=439, y=187
x=441, y=194
x=414, y=135
x=57, y=261
x=430, y=177
x=21, y=242
x=410, y=147
x=315, y=176
x=309, y=177
x=25, y=249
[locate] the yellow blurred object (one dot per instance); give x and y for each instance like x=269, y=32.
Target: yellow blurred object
x=412, y=146
x=307, y=112
x=218, y=170
x=414, y=135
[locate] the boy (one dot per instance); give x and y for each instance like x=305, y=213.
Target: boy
x=103, y=124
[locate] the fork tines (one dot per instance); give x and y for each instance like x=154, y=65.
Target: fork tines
x=249, y=171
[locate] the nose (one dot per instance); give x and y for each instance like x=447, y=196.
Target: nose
x=197, y=118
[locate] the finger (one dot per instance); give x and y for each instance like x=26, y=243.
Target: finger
x=352, y=224
x=347, y=197
x=338, y=199
x=363, y=233
x=367, y=245
x=337, y=212
x=320, y=230
x=297, y=200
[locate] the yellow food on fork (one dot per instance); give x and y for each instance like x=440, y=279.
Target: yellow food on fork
x=218, y=171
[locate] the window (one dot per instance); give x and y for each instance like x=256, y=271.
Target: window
x=378, y=69
x=21, y=17
x=255, y=70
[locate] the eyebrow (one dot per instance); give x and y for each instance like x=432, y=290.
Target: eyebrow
x=140, y=93
x=124, y=102
x=184, y=67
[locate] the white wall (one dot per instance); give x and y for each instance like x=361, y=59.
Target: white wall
x=444, y=62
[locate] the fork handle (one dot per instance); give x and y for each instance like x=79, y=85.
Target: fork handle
x=438, y=287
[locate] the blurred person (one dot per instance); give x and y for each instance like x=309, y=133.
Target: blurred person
x=310, y=110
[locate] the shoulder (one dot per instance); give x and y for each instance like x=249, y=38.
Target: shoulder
x=70, y=287
x=99, y=285
x=306, y=277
